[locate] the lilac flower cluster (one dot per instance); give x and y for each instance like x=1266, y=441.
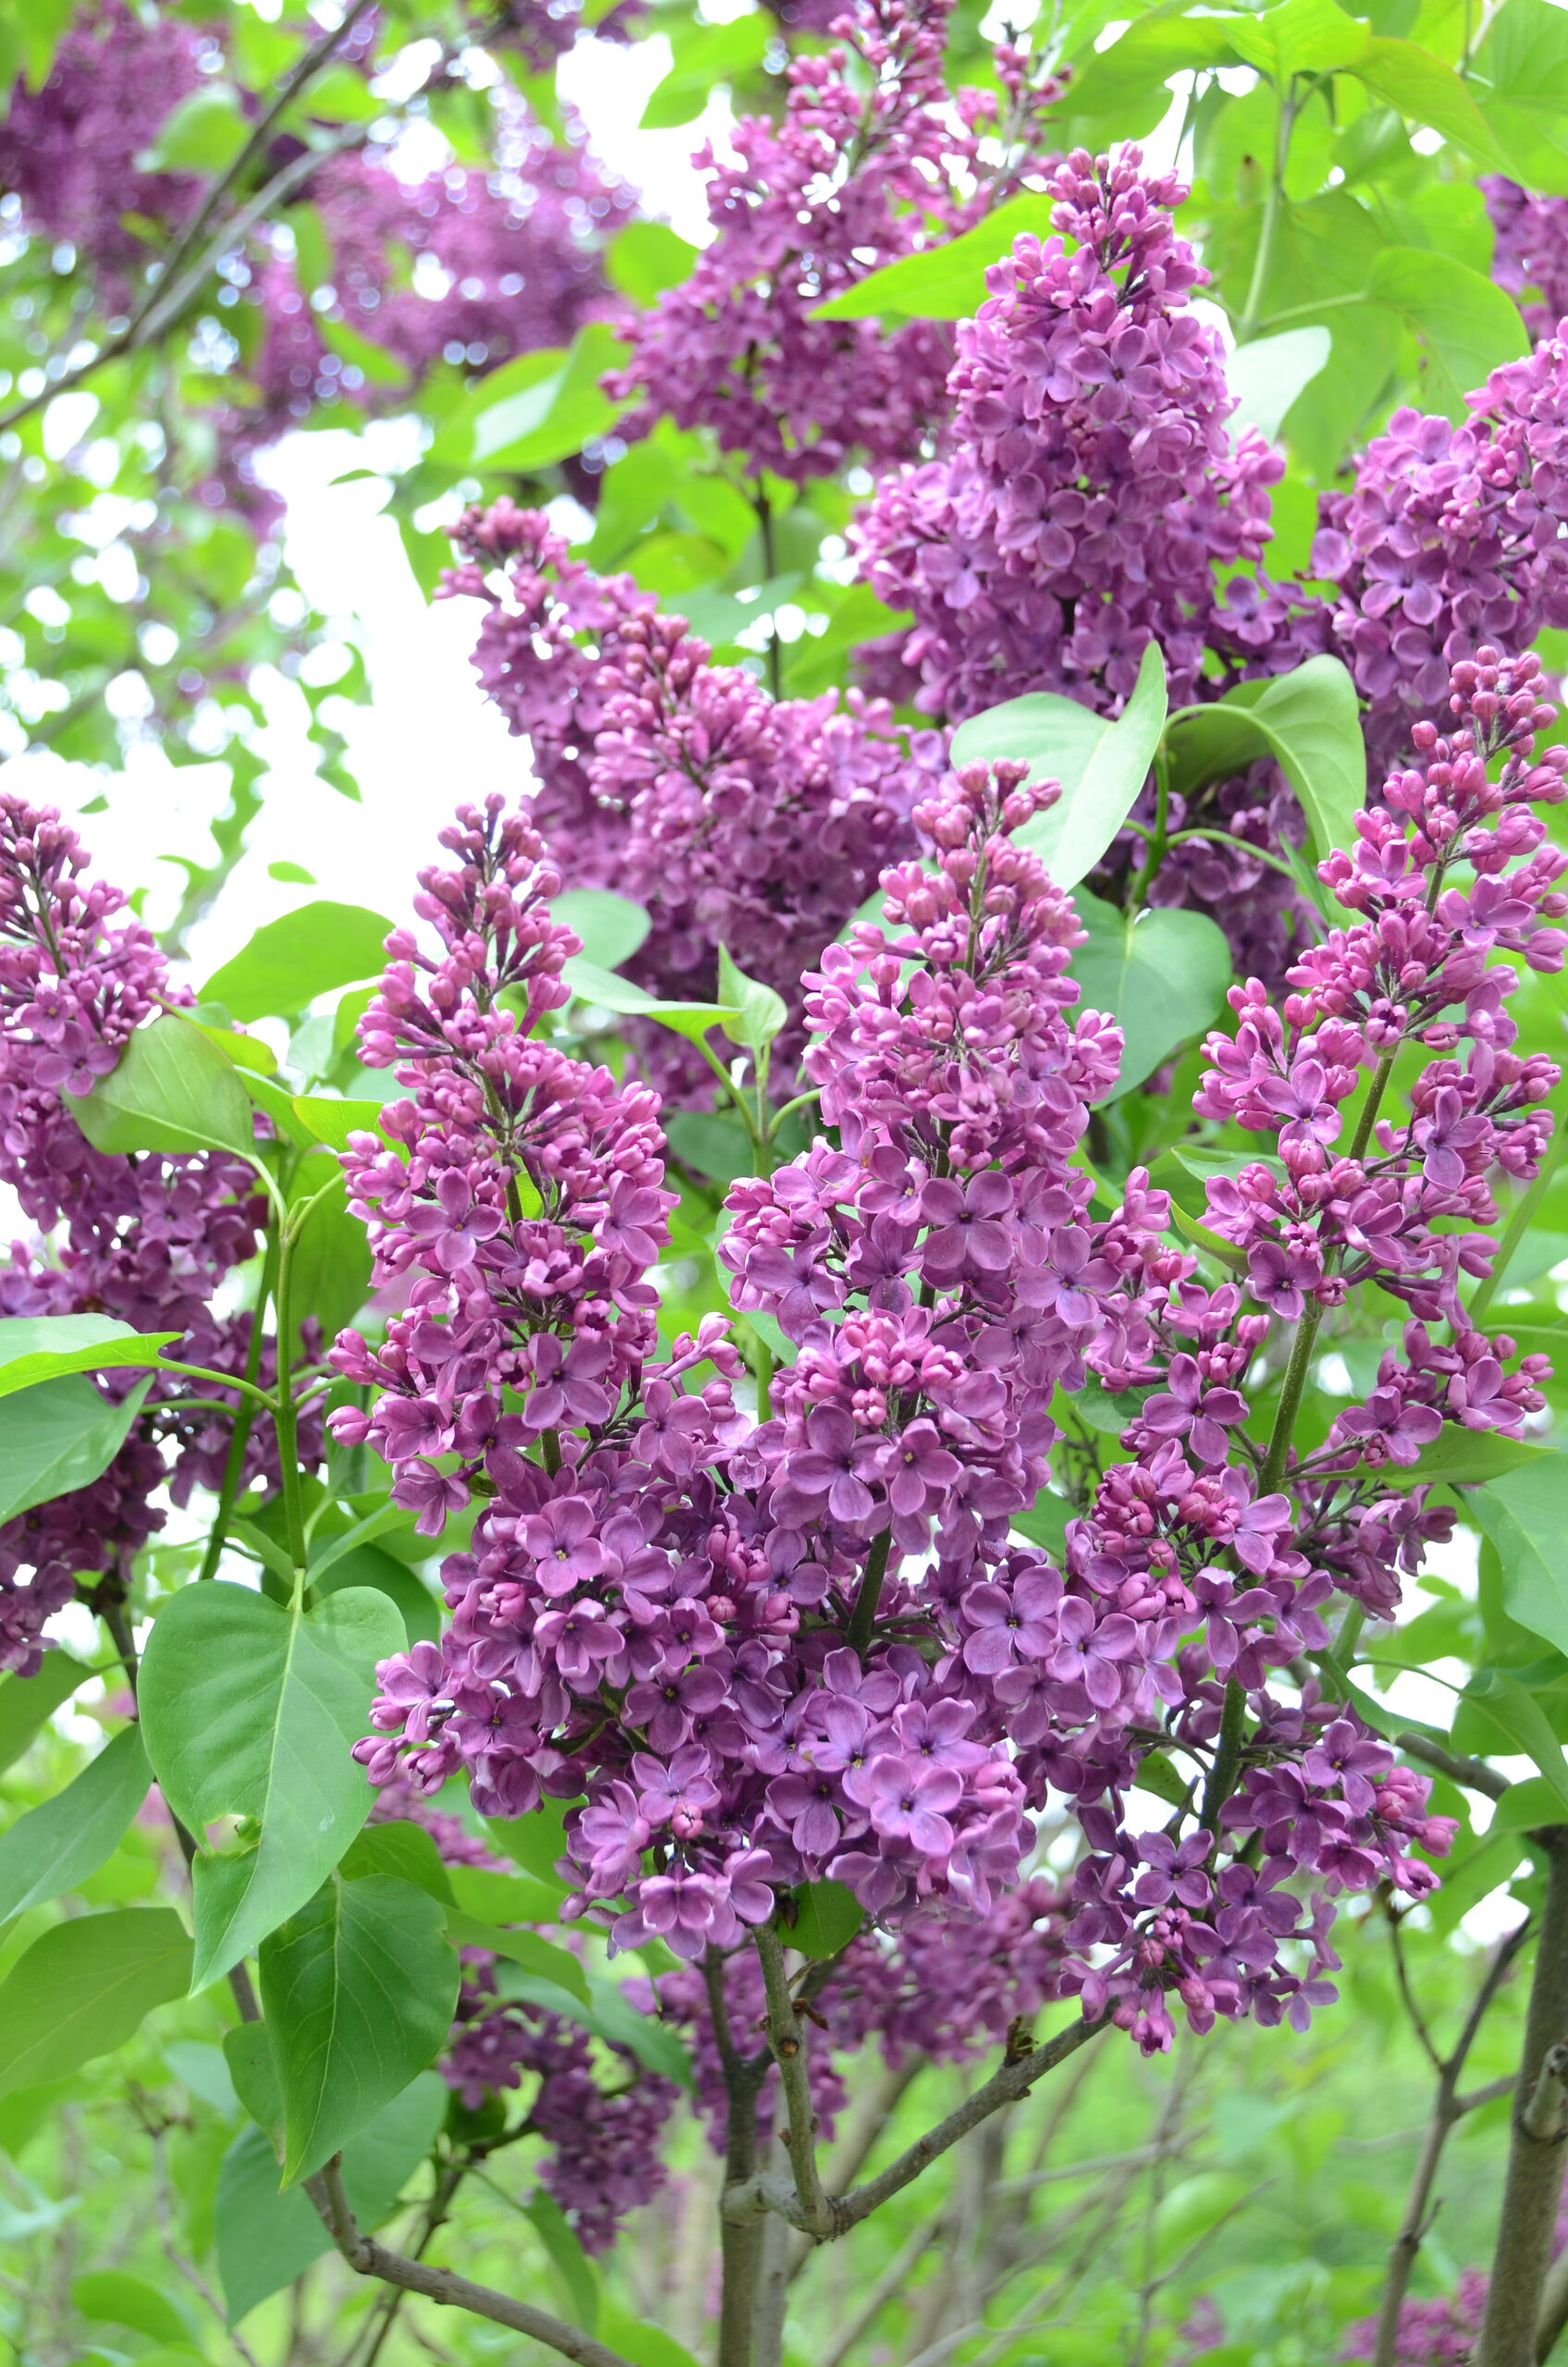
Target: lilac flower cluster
x=1087, y=489
x=1441, y=2332
x=518, y=1197
x=1452, y=537
x=813, y=1647
x=1088, y=484
x=147, y=1239
x=69, y=149
x=736, y=818
x=1530, y=258
x=868, y=164
x=509, y=260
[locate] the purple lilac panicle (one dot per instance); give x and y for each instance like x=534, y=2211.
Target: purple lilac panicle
x=811, y=1646
x=859, y=172
x=1088, y=483
x=738, y=819
x=147, y=1239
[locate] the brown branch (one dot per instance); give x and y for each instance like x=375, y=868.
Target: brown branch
x=367, y=2257
x=745, y=2203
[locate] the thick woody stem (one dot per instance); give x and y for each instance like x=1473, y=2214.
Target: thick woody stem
x=741, y=2242
x=367, y=2257
x=1536, y=2153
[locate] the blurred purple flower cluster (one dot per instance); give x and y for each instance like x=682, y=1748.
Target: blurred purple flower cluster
x=1530, y=258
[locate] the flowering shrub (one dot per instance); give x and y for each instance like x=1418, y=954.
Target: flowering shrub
x=791, y=1457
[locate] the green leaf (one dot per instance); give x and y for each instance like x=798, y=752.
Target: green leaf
x=339, y=95
x=653, y=2043
x=1308, y=720
x=332, y=1121
x=525, y=419
x=26, y=1703
x=251, y=1709
x=60, y=1435
x=279, y=973
x=944, y=282
x=1302, y=37
x=82, y=1989
x=367, y=1565
x=330, y=1268
x=266, y=2239
x=1526, y=1804
x=202, y=134
x=536, y=1841
x=63, y=1840
x=1467, y=324
x=639, y=2344
x=503, y=1898
x=827, y=1915
x=1163, y=978
x=1155, y=1774
x=1524, y=1513
x=374, y=363
x=566, y=2252
x=691, y=1020
x=41, y=1347
x=611, y=927
x=1421, y=87
x=1044, y=1523
x=359, y=1988
x=117, y=2298
x=172, y=1090
x=1521, y=79
x=1101, y=763
x=1268, y=374
x=1498, y=1715
x=403, y=1849
x=761, y=1013
x=704, y=56
x=525, y=1948
x=712, y=1143
x=644, y=259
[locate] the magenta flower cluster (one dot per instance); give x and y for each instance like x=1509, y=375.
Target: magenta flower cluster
x=147, y=1239
x=736, y=820
x=868, y=163
x=1088, y=483
x=811, y=1646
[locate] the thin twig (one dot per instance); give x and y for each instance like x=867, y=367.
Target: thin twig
x=746, y=2202
x=367, y=2257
